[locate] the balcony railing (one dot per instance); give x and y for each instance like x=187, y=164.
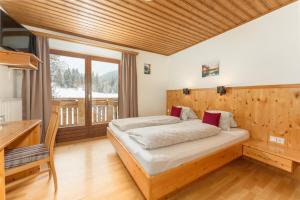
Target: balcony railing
x=72, y=111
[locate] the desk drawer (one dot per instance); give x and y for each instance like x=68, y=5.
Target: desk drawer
x=268, y=158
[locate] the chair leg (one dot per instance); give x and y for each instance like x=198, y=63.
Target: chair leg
x=54, y=174
x=50, y=172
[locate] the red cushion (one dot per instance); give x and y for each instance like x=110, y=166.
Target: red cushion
x=176, y=111
x=211, y=118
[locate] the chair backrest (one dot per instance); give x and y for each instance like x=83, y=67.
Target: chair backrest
x=52, y=129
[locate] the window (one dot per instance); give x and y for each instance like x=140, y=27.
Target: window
x=104, y=86
x=104, y=79
x=68, y=87
x=68, y=76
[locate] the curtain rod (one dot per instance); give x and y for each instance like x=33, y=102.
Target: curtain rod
x=84, y=41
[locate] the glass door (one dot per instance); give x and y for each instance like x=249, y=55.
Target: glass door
x=104, y=90
x=87, y=90
x=69, y=88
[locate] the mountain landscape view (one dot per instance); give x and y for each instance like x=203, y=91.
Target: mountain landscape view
x=69, y=82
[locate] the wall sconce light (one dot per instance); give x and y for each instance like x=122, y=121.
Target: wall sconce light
x=186, y=91
x=221, y=90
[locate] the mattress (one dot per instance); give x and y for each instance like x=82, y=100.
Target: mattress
x=162, y=159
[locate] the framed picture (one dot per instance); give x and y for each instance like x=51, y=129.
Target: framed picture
x=147, y=68
x=212, y=69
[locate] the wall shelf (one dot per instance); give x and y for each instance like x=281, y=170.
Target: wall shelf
x=20, y=60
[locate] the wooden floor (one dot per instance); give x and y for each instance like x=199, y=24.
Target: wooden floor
x=92, y=170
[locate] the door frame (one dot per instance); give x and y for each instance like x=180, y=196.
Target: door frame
x=89, y=130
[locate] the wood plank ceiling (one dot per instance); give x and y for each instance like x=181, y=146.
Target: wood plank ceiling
x=160, y=26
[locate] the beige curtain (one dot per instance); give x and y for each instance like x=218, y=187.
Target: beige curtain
x=128, y=101
x=36, y=88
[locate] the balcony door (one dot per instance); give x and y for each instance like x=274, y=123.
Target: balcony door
x=87, y=89
x=104, y=81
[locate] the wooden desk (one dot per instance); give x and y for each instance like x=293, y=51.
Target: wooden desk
x=16, y=134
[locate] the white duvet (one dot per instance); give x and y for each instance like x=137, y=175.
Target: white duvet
x=139, y=122
x=161, y=136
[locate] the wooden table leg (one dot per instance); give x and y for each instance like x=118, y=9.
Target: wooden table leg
x=2, y=175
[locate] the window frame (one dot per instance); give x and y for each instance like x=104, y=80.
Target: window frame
x=88, y=130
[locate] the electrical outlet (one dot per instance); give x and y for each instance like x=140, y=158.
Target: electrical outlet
x=273, y=138
x=280, y=140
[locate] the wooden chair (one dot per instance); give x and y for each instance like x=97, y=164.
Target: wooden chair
x=24, y=158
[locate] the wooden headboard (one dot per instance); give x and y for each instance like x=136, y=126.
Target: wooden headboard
x=263, y=110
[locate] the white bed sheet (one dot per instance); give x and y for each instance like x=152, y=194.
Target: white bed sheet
x=159, y=160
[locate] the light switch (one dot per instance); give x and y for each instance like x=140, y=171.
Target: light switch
x=273, y=138
x=280, y=140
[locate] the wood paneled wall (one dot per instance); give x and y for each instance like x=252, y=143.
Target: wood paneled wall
x=263, y=110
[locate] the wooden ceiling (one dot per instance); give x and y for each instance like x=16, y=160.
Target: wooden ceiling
x=160, y=26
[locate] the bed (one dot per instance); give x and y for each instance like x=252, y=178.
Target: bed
x=154, y=170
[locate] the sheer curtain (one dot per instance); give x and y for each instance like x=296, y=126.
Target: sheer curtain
x=128, y=101
x=36, y=88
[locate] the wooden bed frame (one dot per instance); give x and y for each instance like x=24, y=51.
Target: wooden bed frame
x=162, y=184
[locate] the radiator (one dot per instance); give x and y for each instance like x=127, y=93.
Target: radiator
x=11, y=109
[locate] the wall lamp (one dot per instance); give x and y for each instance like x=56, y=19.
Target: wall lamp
x=186, y=91
x=221, y=90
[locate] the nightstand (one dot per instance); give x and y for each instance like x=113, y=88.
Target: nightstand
x=272, y=154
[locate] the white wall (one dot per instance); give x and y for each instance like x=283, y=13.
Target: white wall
x=10, y=93
x=6, y=82
x=151, y=88
x=10, y=83
x=263, y=51
x=83, y=49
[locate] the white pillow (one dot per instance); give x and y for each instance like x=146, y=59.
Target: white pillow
x=225, y=120
x=233, y=123
x=192, y=115
x=187, y=113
